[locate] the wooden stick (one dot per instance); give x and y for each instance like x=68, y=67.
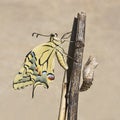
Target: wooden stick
x=64, y=93
x=74, y=74
x=62, y=109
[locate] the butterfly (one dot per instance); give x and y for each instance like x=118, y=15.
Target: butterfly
x=38, y=66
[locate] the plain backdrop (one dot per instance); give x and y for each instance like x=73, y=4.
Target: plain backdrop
x=20, y=18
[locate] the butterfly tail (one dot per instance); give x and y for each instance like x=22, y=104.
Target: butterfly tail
x=33, y=91
x=44, y=84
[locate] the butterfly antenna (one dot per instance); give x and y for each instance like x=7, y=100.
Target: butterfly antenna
x=65, y=35
x=38, y=34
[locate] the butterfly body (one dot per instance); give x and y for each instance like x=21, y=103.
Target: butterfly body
x=38, y=66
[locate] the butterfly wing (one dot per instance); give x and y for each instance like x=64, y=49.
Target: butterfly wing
x=37, y=68
x=61, y=57
x=24, y=76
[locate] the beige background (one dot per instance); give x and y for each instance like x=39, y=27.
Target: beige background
x=20, y=18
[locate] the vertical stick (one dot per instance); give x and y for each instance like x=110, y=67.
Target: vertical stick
x=74, y=72
x=62, y=109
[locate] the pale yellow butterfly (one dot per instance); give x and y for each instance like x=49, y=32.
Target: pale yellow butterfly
x=38, y=66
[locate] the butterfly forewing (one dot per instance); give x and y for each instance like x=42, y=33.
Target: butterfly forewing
x=61, y=57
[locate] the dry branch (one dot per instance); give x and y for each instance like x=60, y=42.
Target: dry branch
x=74, y=72
x=63, y=109
x=70, y=90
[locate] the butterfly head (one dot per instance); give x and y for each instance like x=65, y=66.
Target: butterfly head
x=54, y=38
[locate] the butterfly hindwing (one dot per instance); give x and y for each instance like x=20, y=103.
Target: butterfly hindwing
x=40, y=59
x=25, y=76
